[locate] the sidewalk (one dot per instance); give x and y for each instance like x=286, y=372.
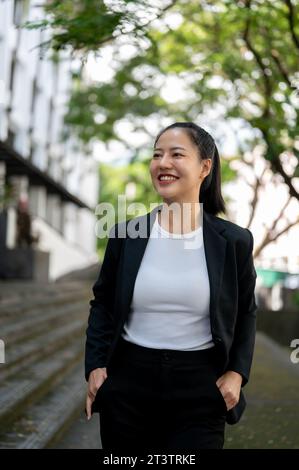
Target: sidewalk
x=271, y=419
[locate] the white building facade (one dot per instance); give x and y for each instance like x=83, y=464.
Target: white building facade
x=59, y=181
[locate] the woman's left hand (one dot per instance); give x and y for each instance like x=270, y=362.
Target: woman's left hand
x=229, y=385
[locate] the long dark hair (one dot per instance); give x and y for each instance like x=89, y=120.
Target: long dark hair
x=210, y=190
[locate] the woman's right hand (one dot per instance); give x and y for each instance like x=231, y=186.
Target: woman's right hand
x=96, y=379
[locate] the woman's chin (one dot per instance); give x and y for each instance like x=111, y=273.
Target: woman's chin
x=167, y=190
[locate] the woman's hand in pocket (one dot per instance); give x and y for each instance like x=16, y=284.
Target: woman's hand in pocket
x=229, y=385
x=96, y=379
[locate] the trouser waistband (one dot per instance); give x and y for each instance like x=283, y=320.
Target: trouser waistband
x=138, y=352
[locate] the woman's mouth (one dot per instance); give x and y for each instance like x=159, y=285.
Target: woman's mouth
x=167, y=179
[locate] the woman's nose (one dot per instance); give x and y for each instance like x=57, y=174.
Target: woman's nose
x=165, y=161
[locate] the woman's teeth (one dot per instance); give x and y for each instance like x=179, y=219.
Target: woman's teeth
x=167, y=178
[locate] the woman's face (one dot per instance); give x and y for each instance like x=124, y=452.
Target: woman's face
x=177, y=156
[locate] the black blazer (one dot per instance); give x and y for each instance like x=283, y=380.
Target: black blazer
x=232, y=277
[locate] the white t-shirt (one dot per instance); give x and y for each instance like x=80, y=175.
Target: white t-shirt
x=171, y=297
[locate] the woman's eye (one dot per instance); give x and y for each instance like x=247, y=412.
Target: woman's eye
x=176, y=154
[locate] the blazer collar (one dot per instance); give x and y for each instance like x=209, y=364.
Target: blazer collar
x=214, y=246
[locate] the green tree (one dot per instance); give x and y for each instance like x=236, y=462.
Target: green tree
x=242, y=56
x=237, y=57
x=133, y=181
x=84, y=26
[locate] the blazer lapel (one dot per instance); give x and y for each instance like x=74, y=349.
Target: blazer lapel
x=214, y=244
x=215, y=248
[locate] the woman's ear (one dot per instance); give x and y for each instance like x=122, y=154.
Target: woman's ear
x=207, y=164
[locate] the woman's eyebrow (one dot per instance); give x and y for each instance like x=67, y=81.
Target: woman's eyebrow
x=173, y=148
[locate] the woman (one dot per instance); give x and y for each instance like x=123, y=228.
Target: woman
x=171, y=329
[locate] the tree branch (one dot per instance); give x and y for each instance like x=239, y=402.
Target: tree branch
x=291, y=19
x=271, y=238
x=278, y=168
x=271, y=235
x=254, y=201
x=266, y=79
x=280, y=66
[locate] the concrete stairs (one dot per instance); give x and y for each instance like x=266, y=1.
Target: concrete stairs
x=42, y=384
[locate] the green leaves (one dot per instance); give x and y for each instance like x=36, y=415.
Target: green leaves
x=86, y=25
x=242, y=56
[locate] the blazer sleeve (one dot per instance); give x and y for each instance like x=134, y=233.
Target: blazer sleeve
x=241, y=352
x=101, y=326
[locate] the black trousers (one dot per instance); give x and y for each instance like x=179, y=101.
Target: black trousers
x=161, y=399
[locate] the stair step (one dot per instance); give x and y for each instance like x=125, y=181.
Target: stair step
x=42, y=384
x=36, y=323
x=9, y=289
x=22, y=355
x=45, y=420
x=35, y=381
x=11, y=307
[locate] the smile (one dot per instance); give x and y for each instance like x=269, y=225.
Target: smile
x=167, y=179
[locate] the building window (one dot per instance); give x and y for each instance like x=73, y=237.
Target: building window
x=21, y=8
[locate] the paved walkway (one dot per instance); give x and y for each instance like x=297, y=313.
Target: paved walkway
x=271, y=420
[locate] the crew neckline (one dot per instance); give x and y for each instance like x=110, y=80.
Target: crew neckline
x=177, y=235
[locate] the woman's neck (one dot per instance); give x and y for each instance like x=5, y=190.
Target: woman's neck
x=180, y=217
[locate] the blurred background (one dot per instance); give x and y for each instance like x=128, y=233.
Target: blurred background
x=85, y=86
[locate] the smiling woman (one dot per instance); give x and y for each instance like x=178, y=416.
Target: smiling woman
x=185, y=169
x=172, y=323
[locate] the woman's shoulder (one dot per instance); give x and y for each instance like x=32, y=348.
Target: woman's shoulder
x=241, y=235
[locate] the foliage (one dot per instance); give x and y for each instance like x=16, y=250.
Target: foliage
x=114, y=181
x=240, y=57
x=87, y=25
